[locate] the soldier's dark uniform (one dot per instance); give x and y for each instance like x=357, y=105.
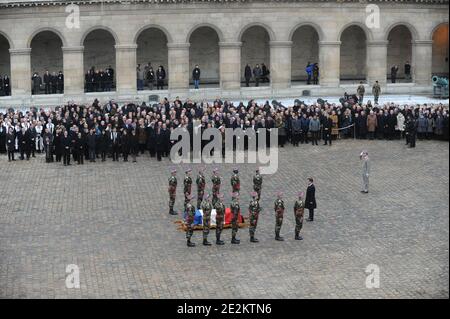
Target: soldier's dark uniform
x=206, y=209
x=172, y=191
x=254, y=210
x=216, y=186
x=299, y=210
x=279, y=212
x=190, y=214
x=201, y=183
x=220, y=216
x=187, y=187
x=257, y=184
x=235, y=182
x=235, y=208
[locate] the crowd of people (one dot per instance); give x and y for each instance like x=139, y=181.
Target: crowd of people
x=98, y=131
x=5, y=85
x=49, y=83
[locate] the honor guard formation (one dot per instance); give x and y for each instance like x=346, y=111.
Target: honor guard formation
x=207, y=203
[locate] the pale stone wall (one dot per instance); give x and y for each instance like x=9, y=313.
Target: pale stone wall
x=249, y=32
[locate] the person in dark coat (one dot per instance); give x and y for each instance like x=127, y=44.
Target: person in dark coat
x=48, y=139
x=6, y=86
x=66, y=143
x=78, y=148
x=310, y=200
x=32, y=140
x=47, y=82
x=115, y=144
x=327, y=125
x=10, y=144
x=60, y=82
x=58, y=145
x=54, y=83
x=3, y=133
x=361, y=125
x=196, y=76
x=134, y=148
x=160, y=77
x=159, y=139
x=126, y=145
x=92, y=143
x=247, y=75
x=103, y=144
x=24, y=143
x=37, y=81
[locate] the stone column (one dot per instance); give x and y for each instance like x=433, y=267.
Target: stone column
x=329, y=63
x=422, y=61
x=126, y=80
x=178, y=66
x=230, y=65
x=376, y=63
x=73, y=69
x=20, y=71
x=280, y=64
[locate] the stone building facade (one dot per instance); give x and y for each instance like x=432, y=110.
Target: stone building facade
x=222, y=36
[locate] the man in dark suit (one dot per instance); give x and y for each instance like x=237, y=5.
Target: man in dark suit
x=66, y=142
x=327, y=125
x=115, y=144
x=310, y=200
x=47, y=82
x=24, y=143
x=10, y=144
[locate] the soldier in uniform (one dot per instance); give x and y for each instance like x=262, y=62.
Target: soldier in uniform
x=235, y=208
x=187, y=186
x=257, y=183
x=279, y=212
x=220, y=216
x=216, y=185
x=299, y=210
x=172, y=190
x=201, y=183
x=190, y=214
x=235, y=181
x=206, y=209
x=254, y=210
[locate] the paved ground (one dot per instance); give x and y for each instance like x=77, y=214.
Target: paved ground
x=111, y=220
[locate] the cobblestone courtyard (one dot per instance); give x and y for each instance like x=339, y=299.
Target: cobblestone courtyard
x=111, y=219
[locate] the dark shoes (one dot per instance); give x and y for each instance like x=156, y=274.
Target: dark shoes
x=278, y=237
x=365, y=192
x=206, y=242
x=235, y=241
x=298, y=237
x=253, y=240
x=219, y=242
x=189, y=244
x=310, y=220
x=172, y=212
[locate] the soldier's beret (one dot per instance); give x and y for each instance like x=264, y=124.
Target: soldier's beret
x=280, y=194
x=188, y=170
x=173, y=170
x=253, y=194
